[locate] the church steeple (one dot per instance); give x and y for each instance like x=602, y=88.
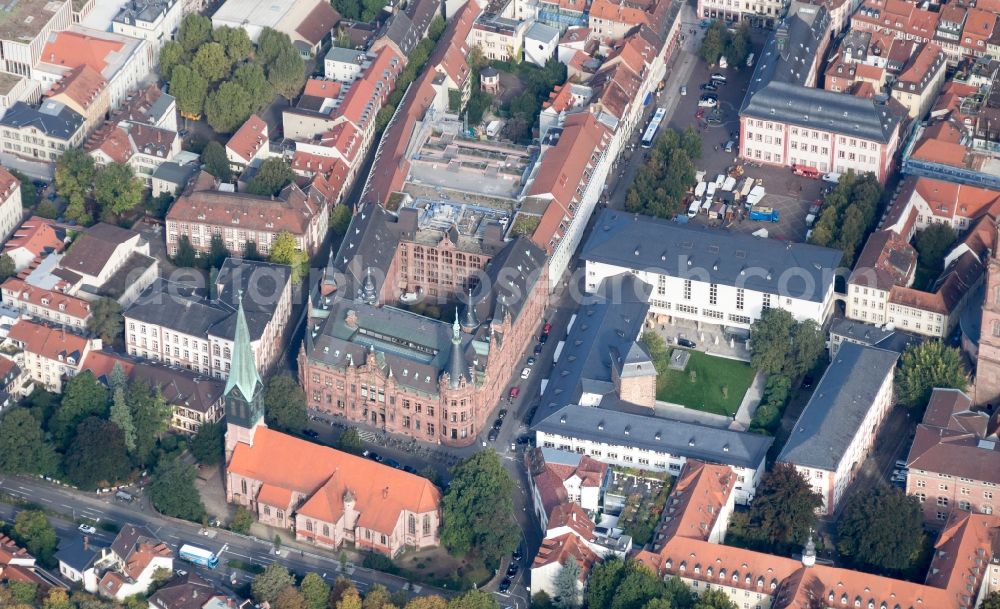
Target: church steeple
x=244, y=388
x=456, y=360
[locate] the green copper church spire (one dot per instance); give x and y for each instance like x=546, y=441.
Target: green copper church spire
x=243, y=371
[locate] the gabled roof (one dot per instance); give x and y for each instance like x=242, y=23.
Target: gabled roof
x=249, y=138
x=319, y=23
x=561, y=549
x=82, y=84
x=50, y=343
x=94, y=247
x=75, y=49
x=697, y=499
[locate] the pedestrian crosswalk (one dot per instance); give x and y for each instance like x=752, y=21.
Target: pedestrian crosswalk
x=367, y=436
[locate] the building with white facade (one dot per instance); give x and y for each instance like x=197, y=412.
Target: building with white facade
x=498, y=37
x=41, y=134
x=346, y=65
x=47, y=355
x=152, y=20
x=25, y=29
x=785, y=120
x=11, y=212
x=710, y=275
x=540, y=43
x=631, y=440
x=836, y=431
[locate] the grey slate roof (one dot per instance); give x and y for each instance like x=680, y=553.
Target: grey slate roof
x=510, y=277
x=143, y=10
x=777, y=92
x=400, y=30
x=838, y=406
x=890, y=340
x=728, y=258
x=680, y=438
x=606, y=322
x=175, y=173
x=541, y=32
x=188, y=310
x=75, y=555
x=52, y=118
x=342, y=55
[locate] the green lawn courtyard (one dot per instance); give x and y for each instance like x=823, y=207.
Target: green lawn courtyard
x=718, y=384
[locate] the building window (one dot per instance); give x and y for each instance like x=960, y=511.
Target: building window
x=942, y=501
x=713, y=294
x=766, y=304
x=740, y=299
x=412, y=524
x=687, y=289
x=427, y=525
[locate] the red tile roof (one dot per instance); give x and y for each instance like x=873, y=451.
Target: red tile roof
x=36, y=235
x=83, y=85
x=72, y=49
x=562, y=548
x=326, y=475
x=319, y=23
x=630, y=13
x=327, y=89
x=17, y=289
x=50, y=343
x=8, y=183
x=249, y=138
x=697, y=499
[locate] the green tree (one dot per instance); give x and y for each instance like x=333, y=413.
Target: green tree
x=82, y=397
x=784, y=509
x=186, y=256
x=57, y=598
x=621, y=584
x=76, y=211
x=242, y=521
x=272, y=175
x=23, y=448
x=350, y=441
x=771, y=338
x=714, y=43
x=235, y=41
x=285, y=404
x=7, y=267
x=97, y=456
x=121, y=415
x=266, y=586
x=194, y=31
x=151, y=417
x=474, y=599
x=287, y=73
x=117, y=189
x=251, y=77
x=207, y=445
x=315, y=591
x=190, y=90
x=42, y=405
x=270, y=43
x=250, y=251
x=340, y=219
x=214, y=159
x=926, y=366
x=29, y=194
x=880, y=530
x=992, y=601
x=173, y=491
x=478, y=509
x=738, y=45
x=284, y=250
x=228, y=107
x=716, y=598
x=33, y=531
x=542, y=600
x=211, y=62
x=217, y=252
x=106, y=320
x=566, y=585
x=75, y=174
x=171, y=55
x=436, y=28
x=25, y=593
x=933, y=244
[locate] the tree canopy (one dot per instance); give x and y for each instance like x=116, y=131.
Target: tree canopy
x=106, y=320
x=173, y=491
x=932, y=245
x=477, y=510
x=228, y=107
x=272, y=175
x=7, y=267
x=97, y=456
x=627, y=584
x=719, y=41
x=661, y=183
x=881, y=530
x=783, y=511
x=285, y=250
x=216, y=162
x=350, y=441
x=23, y=449
x=926, y=366
x=271, y=582
x=33, y=531
x=207, y=444
x=189, y=88
x=285, y=404
x=849, y=212
x=83, y=396
x=781, y=345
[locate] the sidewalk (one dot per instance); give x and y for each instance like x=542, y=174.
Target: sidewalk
x=751, y=399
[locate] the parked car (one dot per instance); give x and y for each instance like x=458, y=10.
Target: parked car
x=492, y=436
x=374, y=456
x=514, y=392
x=684, y=90
x=718, y=77
x=502, y=413
x=410, y=470
x=512, y=569
x=543, y=338
x=709, y=87
x=498, y=424
x=526, y=372
x=901, y=464
x=684, y=342
x=538, y=348
x=516, y=554
x=807, y=382
x=86, y=529
x=700, y=113
x=504, y=586
x=707, y=102
x=531, y=361
x=730, y=145
x=394, y=464
x=310, y=433
x=547, y=328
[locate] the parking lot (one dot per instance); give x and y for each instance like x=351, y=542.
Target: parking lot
x=789, y=194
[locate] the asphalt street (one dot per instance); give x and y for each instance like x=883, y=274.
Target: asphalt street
x=77, y=506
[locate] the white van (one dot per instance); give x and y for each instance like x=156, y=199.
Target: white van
x=750, y=58
x=723, y=62
x=831, y=177
x=693, y=208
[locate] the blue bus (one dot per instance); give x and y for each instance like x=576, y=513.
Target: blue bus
x=654, y=125
x=198, y=556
